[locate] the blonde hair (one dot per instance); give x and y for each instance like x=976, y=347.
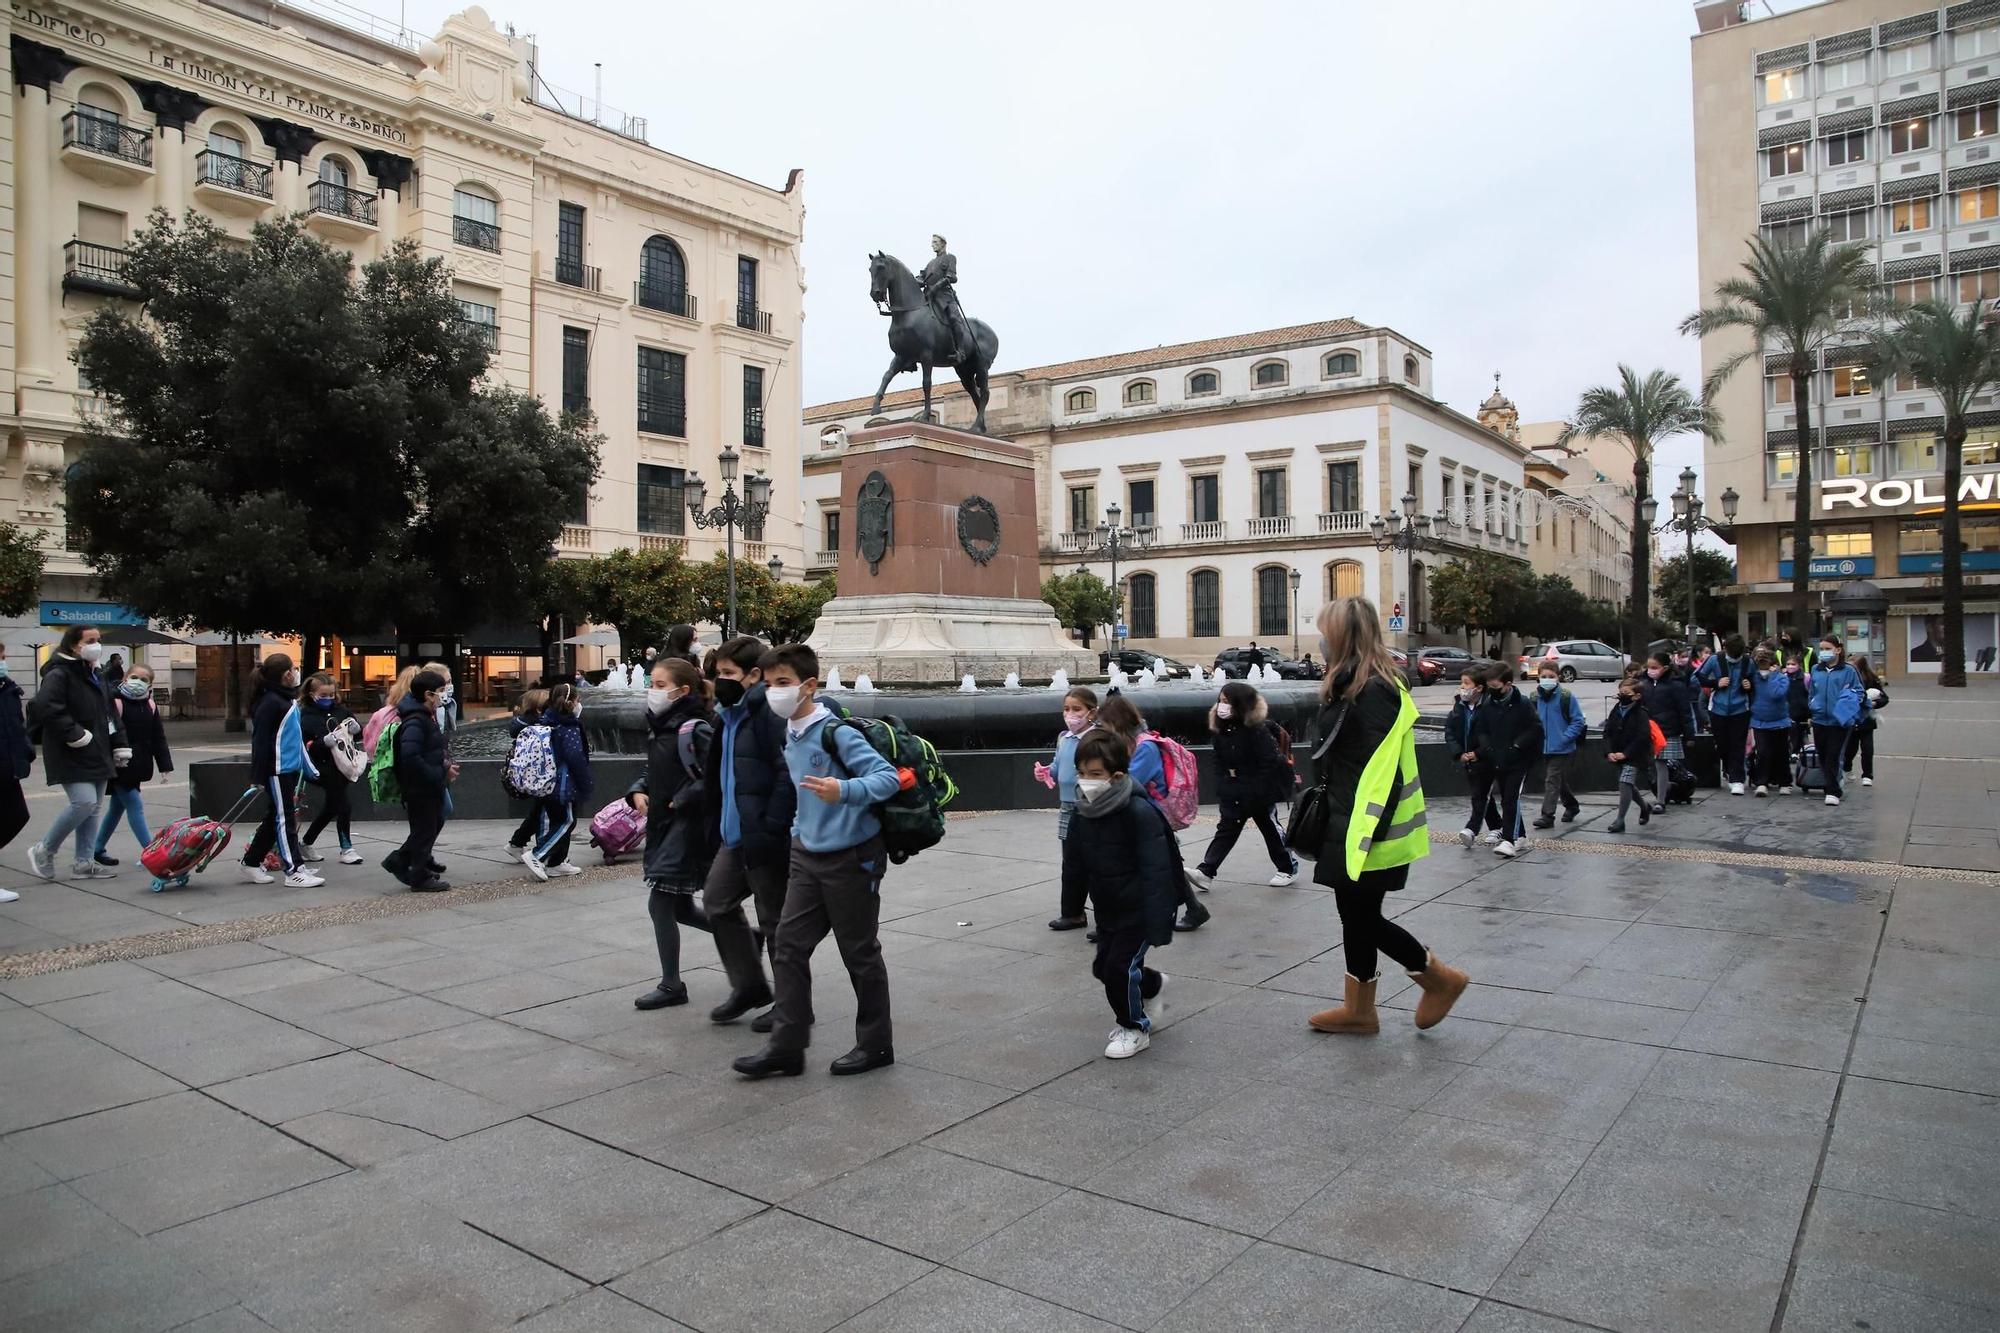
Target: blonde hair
x=532, y=703
x=401, y=687
x=1353, y=632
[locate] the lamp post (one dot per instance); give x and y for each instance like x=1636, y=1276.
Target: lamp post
x=1689, y=519
x=1111, y=538
x=1409, y=532
x=731, y=513
x=1295, y=578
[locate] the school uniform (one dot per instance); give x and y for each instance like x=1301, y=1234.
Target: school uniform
x=1563, y=729
x=277, y=761
x=1729, y=709
x=1119, y=854
x=1506, y=734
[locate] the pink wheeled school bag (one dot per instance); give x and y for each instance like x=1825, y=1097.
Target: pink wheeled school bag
x=186, y=846
x=617, y=829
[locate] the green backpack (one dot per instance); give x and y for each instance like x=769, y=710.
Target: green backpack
x=912, y=818
x=384, y=787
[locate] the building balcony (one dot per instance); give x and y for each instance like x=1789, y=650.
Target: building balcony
x=1904, y=165
x=1784, y=113
x=106, y=149
x=572, y=273
x=231, y=184
x=1975, y=152
x=1343, y=522
x=824, y=560
x=663, y=416
x=755, y=552
x=340, y=209
x=97, y=269
x=473, y=233
x=485, y=332
x=1799, y=186
x=1278, y=526
x=577, y=537
x=1910, y=245
x=750, y=317
x=660, y=541
x=1961, y=73
x=667, y=300
x=1205, y=532
x=1845, y=99
x=1974, y=235
x=1848, y=177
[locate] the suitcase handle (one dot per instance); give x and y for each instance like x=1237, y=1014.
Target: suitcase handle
x=241, y=806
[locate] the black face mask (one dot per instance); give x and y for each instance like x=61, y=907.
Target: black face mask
x=729, y=693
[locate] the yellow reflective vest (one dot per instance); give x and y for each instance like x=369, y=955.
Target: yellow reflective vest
x=1387, y=826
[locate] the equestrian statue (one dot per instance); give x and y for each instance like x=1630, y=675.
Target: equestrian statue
x=927, y=328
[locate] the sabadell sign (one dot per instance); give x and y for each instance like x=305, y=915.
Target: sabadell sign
x=1855, y=493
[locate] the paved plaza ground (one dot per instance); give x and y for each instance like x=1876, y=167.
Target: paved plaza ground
x=1739, y=1071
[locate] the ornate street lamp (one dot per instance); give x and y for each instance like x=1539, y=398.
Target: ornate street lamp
x=1111, y=538
x=731, y=513
x=1295, y=578
x=1408, y=532
x=1689, y=519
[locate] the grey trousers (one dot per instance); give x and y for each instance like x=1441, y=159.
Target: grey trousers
x=1555, y=784
x=729, y=883
x=837, y=893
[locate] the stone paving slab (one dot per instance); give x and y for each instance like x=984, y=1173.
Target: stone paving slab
x=1684, y=1093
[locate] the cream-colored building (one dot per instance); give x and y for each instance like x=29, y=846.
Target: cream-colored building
x=1880, y=121
x=663, y=294
x=1581, y=520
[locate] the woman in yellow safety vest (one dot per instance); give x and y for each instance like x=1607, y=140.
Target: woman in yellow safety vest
x=1367, y=758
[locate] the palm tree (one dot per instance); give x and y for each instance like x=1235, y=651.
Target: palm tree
x=1643, y=413
x=1958, y=358
x=1793, y=299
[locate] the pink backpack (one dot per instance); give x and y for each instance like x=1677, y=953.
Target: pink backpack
x=1182, y=798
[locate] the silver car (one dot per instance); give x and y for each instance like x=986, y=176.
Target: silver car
x=1586, y=658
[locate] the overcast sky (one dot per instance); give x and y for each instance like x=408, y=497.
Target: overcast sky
x=1510, y=185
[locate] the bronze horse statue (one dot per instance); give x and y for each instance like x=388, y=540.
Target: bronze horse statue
x=918, y=338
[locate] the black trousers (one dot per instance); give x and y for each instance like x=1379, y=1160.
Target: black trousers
x=837, y=893
x=671, y=911
x=1501, y=787
x=730, y=882
x=1730, y=734
x=1832, y=743
x=1485, y=810
x=1367, y=931
x=1774, y=756
x=280, y=827
x=530, y=830
x=1860, y=741
x=13, y=809
x=338, y=811
x=1128, y=983
x=411, y=862
x=1234, y=816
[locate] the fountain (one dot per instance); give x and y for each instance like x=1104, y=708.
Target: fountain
x=1194, y=674
x=1145, y=680
x=1013, y=681
x=863, y=685
x=832, y=681
x=1118, y=679
x=1160, y=671
x=1059, y=680
x=968, y=685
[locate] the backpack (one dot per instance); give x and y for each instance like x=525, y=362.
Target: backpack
x=531, y=764
x=345, y=754
x=913, y=817
x=1182, y=798
x=1659, y=737
x=689, y=752
x=1290, y=778
x=384, y=787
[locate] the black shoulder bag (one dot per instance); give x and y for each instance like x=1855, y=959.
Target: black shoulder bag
x=1311, y=812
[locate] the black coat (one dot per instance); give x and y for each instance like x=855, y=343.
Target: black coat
x=1668, y=702
x=1629, y=734
x=71, y=704
x=1125, y=863
x=17, y=756
x=679, y=846
x=314, y=723
x=1249, y=770
x=146, y=737
x=766, y=799
x=1506, y=732
x=420, y=757
x=1370, y=719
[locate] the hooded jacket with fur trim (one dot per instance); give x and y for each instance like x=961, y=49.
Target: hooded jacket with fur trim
x=1249, y=770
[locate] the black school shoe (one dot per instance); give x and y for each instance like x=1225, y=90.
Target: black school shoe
x=1544, y=822
x=764, y=1022
x=105, y=859
x=768, y=1062
x=1068, y=923
x=738, y=1004
x=661, y=997
x=1569, y=815
x=859, y=1061
x=434, y=884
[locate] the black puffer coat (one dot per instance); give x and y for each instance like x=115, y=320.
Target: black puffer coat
x=1668, y=702
x=1122, y=856
x=142, y=731
x=679, y=846
x=1249, y=770
x=766, y=798
x=1506, y=732
x=1629, y=733
x=17, y=756
x=73, y=714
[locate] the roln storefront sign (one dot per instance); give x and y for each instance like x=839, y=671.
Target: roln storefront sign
x=1856, y=493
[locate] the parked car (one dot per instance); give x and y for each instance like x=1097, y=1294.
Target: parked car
x=1441, y=660
x=1134, y=660
x=1426, y=671
x=1445, y=653
x=1586, y=658
x=1234, y=663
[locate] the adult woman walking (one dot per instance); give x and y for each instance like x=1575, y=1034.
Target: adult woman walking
x=1366, y=761
x=80, y=746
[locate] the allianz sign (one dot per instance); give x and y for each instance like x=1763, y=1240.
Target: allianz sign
x=1854, y=493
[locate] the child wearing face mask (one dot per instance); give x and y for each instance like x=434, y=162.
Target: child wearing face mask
x=1772, y=690
x=1628, y=742
x=1506, y=736
x=574, y=782
x=670, y=793
x=527, y=712
x=1485, y=811
x=1059, y=774
x=1832, y=676
x=1254, y=777
x=278, y=760
x=1120, y=853
x=1562, y=731
x=321, y=713
x=132, y=701
x=1671, y=707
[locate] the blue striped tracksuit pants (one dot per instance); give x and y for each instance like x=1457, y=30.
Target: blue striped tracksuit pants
x=280, y=829
x=558, y=822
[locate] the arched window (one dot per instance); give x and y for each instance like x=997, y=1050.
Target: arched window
x=662, y=276
x=99, y=116
x=1342, y=363
x=1140, y=391
x=1203, y=382
x=1269, y=373
x=1343, y=579
x=1081, y=400
x=475, y=217
x=1273, y=612
x=1205, y=604
x=1411, y=372
x=226, y=139
x=1142, y=606
x=1419, y=596
x=333, y=171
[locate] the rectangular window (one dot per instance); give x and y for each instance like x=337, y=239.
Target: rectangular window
x=1979, y=285
x=1840, y=75
x=1788, y=159
x=662, y=499
x=1978, y=122
x=569, y=244
x=481, y=318
x=753, y=406
x=1909, y=58
x=1914, y=453
x=1909, y=215
x=1912, y=290
x=1272, y=613
x=1139, y=498
x=1910, y=136
x=662, y=392
x=1082, y=508
x=1980, y=204
x=1972, y=43
x=746, y=292
x=1851, y=382
x=1270, y=492
x=1205, y=604
x=576, y=370
x=1470, y=518
x=1842, y=149
x=1787, y=233
x=1849, y=460
x=1849, y=226
x=1142, y=603
x=1206, y=497
x=1343, y=487
x=1781, y=85
x=1784, y=465
x=1841, y=541
x=1976, y=532
x=829, y=526
x=1416, y=484
x=1778, y=390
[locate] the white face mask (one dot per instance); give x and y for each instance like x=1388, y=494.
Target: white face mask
x=783, y=700
x=90, y=652
x=1089, y=789
x=659, y=701
x=1224, y=710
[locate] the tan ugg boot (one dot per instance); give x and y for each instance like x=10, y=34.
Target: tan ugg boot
x=1357, y=1016
x=1441, y=986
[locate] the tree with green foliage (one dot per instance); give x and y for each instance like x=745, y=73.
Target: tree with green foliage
x=20, y=569
x=1482, y=591
x=754, y=586
x=793, y=609
x=1712, y=610
x=1555, y=608
x=641, y=594
x=1081, y=601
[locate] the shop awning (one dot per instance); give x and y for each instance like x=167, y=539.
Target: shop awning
x=597, y=638
x=504, y=640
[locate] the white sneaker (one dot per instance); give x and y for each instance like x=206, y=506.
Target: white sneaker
x=535, y=867
x=1126, y=1043
x=1763, y=790
x=1735, y=789
x=1784, y=791
x=258, y=875
x=565, y=868
x=1198, y=879
x=1505, y=849
x=303, y=879
x=1283, y=878
x=309, y=856
x=1832, y=800
x=1492, y=839
x=1867, y=782
x=40, y=861
x=91, y=870
x=350, y=857
x=9, y=896
x=1465, y=838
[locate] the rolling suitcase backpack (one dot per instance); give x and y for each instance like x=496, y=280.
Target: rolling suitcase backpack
x=186, y=846
x=617, y=829
x=1807, y=775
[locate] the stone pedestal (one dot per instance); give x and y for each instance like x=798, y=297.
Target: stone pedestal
x=953, y=586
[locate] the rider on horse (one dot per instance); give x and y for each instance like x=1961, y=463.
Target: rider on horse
x=939, y=279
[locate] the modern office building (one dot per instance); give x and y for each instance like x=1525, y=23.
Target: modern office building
x=1236, y=461
x=1881, y=122
x=662, y=294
